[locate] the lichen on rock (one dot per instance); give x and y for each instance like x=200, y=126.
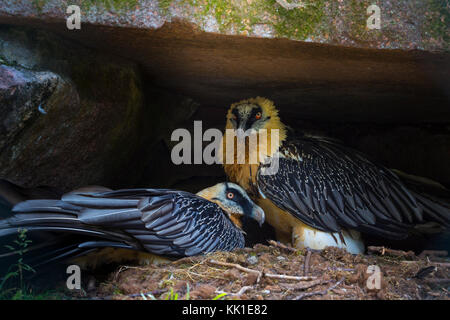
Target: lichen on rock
x=421, y=25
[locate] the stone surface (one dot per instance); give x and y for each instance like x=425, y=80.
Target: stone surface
x=82, y=120
x=404, y=24
x=74, y=139
x=306, y=80
x=21, y=95
x=330, y=72
x=342, y=78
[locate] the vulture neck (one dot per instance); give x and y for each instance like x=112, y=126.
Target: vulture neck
x=245, y=174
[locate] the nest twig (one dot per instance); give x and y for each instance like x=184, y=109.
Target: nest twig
x=306, y=266
x=282, y=246
x=391, y=252
x=259, y=273
x=323, y=292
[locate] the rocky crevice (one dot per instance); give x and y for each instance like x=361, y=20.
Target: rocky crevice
x=116, y=89
x=71, y=116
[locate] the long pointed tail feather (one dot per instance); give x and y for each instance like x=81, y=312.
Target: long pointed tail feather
x=433, y=198
x=56, y=232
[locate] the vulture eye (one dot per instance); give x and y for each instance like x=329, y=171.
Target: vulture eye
x=258, y=116
x=230, y=195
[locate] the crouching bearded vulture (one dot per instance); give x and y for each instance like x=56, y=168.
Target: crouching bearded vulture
x=96, y=223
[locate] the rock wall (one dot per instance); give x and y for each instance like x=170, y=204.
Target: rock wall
x=71, y=116
x=97, y=105
x=404, y=24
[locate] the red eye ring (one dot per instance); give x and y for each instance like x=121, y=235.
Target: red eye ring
x=230, y=195
x=258, y=116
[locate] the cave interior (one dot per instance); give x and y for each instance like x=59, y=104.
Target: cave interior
x=392, y=105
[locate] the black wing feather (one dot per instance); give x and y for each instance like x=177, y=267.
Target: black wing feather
x=331, y=187
x=160, y=221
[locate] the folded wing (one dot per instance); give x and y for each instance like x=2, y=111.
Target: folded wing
x=330, y=187
x=159, y=221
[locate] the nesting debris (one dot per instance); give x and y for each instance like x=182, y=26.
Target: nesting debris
x=252, y=260
x=424, y=272
x=301, y=274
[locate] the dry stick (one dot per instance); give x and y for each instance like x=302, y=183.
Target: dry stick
x=122, y=268
x=341, y=269
x=233, y=265
x=441, y=264
x=411, y=261
x=237, y=294
x=191, y=260
x=392, y=252
x=239, y=267
x=243, y=290
x=306, y=266
x=443, y=280
x=286, y=277
x=259, y=273
x=154, y=292
x=323, y=292
x=303, y=286
x=281, y=246
x=285, y=286
x=134, y=295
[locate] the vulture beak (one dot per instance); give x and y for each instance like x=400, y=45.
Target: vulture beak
x=258, y=215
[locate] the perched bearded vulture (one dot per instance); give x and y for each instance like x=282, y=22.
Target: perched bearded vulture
x=321, y=192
